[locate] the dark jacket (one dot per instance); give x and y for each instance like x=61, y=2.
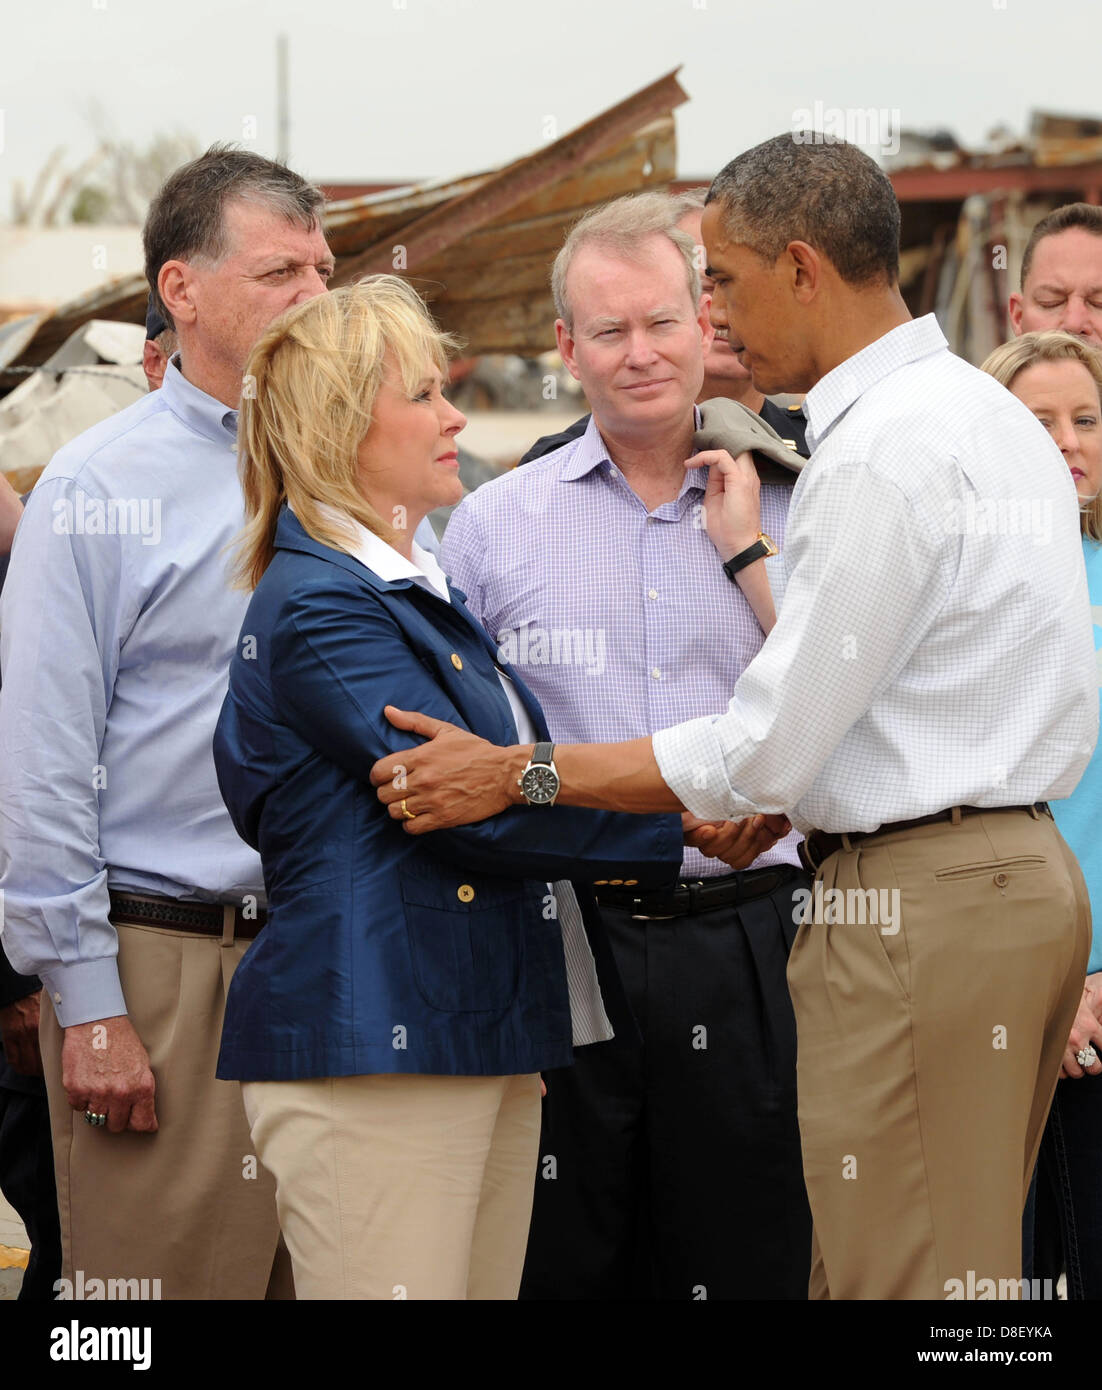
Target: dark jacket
x=788, y=422
x=386, y=952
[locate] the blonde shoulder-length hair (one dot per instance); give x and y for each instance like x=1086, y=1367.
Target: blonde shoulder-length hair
x=1007, y=361
x=309, y=391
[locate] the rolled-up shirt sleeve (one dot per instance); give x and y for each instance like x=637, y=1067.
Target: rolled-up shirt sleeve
x=60, y=625
x=858, y=602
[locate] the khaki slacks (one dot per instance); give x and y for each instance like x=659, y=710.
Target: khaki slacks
x=401, y=1186
x=928, y=1053
x=188, y=1205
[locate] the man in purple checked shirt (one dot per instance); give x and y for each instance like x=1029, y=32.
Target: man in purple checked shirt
x=670, y=1160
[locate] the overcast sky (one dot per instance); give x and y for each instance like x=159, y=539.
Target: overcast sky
x=384, y=89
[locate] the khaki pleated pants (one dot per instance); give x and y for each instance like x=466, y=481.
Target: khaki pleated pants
x=401, y=1186
x=189, y=1204
x=929, y=1048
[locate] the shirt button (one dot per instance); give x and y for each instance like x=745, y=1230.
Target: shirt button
x=457, y=661
x=652, y=593
x=1001, y=880
x=57, y=998
x=464, y=893
x=657, y=674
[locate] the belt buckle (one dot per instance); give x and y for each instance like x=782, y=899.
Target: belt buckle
x=656, y=916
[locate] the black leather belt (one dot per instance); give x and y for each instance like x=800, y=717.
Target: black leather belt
x=688, y=897
x=205, y=919
x=821, y=844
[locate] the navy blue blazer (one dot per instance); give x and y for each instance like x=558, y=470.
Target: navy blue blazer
x=387, y=952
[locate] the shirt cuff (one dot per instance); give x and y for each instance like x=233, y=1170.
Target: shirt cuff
x=85, y=991
x=690, y=759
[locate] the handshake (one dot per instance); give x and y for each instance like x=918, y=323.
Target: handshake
x=737, y=842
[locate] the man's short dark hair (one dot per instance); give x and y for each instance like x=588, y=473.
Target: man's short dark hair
x=801, y=187
x=186, y=220
x=1061, y=219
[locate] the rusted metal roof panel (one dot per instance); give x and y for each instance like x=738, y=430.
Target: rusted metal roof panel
x=480, y=247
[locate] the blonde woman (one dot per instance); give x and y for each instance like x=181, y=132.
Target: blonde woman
x=1060, y=379
x=391, y=1018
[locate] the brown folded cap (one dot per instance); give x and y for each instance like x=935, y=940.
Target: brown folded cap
x=725, y=424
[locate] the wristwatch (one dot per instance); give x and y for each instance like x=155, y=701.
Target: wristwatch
x=762, y=547
x=539, y=782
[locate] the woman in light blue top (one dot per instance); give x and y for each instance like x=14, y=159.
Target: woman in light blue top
x=1059, y=378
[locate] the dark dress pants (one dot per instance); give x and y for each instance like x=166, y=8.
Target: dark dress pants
x=27, y=1181
x=1063, y=1217
x=670, y=1160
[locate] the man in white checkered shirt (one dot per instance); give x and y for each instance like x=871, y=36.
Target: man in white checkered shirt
x=929, y=685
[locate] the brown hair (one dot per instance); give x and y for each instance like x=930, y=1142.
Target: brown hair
x=187, y=218
x=1062, y=219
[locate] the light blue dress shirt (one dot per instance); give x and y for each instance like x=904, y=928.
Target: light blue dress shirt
x=117, y=624
x=1080, y=816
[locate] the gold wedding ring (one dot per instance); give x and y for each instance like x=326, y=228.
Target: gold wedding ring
x=409, y=815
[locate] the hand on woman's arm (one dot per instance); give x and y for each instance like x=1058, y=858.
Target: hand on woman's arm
x=456, y=778
x=335, y=661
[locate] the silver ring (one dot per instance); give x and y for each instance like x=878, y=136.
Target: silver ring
x=92, y=1119
x=1086, y=1056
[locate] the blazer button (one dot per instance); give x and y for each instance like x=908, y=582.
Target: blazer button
x=630, y=882
x=600, y=882
x=1001, y=880
x=615, y=882
x=465, y=893
x=457, y=661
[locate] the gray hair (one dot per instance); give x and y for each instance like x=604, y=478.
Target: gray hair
x=187, y=219
x=690, y=200
x=801, y=187
x=624, y=226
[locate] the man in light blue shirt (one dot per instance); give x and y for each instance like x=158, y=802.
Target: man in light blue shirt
x=125, y=885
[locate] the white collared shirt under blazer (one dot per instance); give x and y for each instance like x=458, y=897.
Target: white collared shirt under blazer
x=934, y=645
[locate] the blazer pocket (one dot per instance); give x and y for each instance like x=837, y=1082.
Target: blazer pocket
x=466, y=938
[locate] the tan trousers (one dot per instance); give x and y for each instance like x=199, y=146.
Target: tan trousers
x=398, y=1186
x=929, y=1048
x=189, y=1204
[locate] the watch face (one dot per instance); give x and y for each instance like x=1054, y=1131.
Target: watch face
x=540, y=784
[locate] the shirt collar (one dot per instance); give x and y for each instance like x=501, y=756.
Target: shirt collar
x=386, y=562
x=195, y=408
x=829, y=399
x=591, y=451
